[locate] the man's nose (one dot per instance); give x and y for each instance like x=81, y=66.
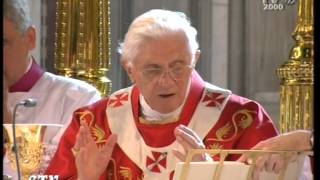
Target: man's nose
x=165, y=80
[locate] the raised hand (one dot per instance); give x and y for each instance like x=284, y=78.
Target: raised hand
x=189, y=140
x=91, y=161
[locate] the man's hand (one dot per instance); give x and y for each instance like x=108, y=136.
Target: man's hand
x=296, y=140
x=91, y=161
x=189, y=140
x=268, y=162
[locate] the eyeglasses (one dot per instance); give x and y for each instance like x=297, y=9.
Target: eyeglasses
x=176, y=72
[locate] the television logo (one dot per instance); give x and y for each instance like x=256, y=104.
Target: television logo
x=44, y=177
x=276, y=5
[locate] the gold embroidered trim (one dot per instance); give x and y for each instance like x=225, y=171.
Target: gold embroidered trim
x=114, y=168
x=215, y=146
x=244, y=122
x=125, y=173
x=97, y=133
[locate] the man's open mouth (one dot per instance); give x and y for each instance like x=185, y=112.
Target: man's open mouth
x=166, y=95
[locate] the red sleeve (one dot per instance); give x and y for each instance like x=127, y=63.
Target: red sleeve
x=262, y=128
x=63, y=162
x=242, y=124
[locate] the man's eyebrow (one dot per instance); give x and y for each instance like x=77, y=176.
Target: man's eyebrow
x=177, y=62
x=151, y=66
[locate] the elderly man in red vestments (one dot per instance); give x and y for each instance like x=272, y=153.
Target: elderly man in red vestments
x=142, y=131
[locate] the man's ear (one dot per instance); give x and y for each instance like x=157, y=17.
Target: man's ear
x=127, y=65
x=30, y=36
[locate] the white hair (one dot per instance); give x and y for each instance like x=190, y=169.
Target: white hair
x=18, y=12
x=153, y=24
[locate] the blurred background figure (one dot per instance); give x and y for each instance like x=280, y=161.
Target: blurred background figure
x=57, y=97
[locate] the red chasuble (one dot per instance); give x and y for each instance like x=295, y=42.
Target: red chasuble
x=144, y=151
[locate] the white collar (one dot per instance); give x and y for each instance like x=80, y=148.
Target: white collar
x=30, y=64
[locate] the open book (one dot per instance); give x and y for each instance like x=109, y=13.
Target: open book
x=231, y=170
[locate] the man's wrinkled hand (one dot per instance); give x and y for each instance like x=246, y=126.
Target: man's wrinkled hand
x=189, y=140
x=91, y=161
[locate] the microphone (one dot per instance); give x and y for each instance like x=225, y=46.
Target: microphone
x=26, y=103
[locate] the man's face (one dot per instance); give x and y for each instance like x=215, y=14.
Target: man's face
x=16, y=47
x=162, y=71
